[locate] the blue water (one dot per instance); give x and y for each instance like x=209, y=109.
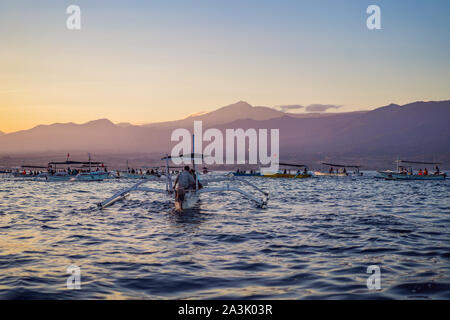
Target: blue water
x=315, y=240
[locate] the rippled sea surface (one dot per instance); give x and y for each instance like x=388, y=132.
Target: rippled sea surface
x=315, y=241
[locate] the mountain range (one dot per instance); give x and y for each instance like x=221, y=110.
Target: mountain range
x=417, y=130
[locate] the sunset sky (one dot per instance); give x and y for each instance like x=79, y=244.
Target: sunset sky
x=147, y=61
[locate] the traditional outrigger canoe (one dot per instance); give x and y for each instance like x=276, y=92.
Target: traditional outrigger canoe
x=330, y=174
x=76, y=170
x=240, y=173
x=191, y=196
x=405, y=172
x=342, y=173
x=138, y=174
x=286, y=173
x=29, y=171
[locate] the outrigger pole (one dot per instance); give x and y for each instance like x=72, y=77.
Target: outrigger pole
x=193, y=162
x=122, y=194
x=169, y=177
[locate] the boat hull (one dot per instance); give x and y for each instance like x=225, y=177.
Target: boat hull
x=190, y=200
x=92, y=176
x=21, y=175
x=59, y=177
x=126, y=175
x=389, y=175
x=246, y=174
x=328, y=174
x=286, y=175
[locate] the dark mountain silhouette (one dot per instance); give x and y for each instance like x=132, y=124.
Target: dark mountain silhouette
x=418, y=129
x=415, y=128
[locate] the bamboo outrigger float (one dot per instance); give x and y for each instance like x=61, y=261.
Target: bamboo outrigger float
x=405, y=172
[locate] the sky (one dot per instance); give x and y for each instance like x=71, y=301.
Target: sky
x=149, y=61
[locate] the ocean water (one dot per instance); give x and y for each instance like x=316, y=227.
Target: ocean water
x=315, y=241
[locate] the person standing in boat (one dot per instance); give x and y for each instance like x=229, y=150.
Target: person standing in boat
x=184, y=181
x=437, y=171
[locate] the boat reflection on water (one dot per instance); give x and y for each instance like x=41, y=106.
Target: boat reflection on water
x=189, y=217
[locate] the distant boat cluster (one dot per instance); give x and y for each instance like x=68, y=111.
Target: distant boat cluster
x=187, y=195
x=97, y=171
x=405, y=171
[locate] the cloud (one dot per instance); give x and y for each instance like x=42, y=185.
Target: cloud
x=310, y=108
x=321, y=107
x=291, y=107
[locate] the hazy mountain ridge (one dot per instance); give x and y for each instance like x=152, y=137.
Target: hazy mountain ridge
x=419, y=128
x=238, y=110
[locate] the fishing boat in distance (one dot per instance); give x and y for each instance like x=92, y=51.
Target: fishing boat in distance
x=405, y=171
x=288, y=172
x=245, y=173
x=76, y=171
x=29, y=171
x=143, y=173
x=133, y=172
x=341, y=170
